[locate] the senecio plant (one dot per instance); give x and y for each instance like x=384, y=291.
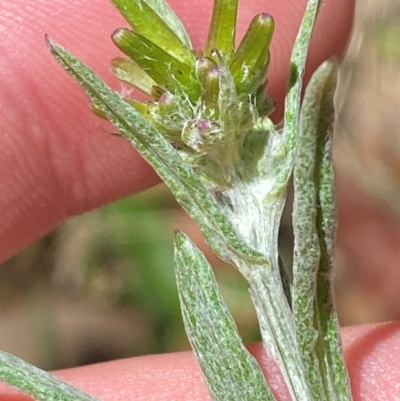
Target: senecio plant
x=205, y=130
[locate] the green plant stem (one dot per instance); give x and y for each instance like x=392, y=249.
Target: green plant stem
x=258, y=219
x=275, y=317
x=278, y=328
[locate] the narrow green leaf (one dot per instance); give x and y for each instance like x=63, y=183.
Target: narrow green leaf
x=130, y=73
x=38, y=384
x=183, y=182
x=231, y=372
x=314, y=225
x=337, y=378
x=165, y=69
x=221, y=35
x=154, y=20
x=293, y=96
x=307, y=252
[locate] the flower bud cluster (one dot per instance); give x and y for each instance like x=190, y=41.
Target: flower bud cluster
x=205, y=102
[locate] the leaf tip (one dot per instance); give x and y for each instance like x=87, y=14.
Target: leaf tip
x=179, y=236
x=49, y=42
x=181, y=240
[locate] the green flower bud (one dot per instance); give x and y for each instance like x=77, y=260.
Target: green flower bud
x=130, y=73
x=169, y=73
x=250, y=62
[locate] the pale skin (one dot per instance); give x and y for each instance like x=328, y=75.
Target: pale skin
x=55, y=162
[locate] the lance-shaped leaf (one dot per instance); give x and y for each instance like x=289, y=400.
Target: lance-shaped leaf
x=337, y=379
x=153, y=146
x=221, y=35
x=152, y=19
x=248, y=65
x=40, y=385
x=307, y=252
x=165, y=69
x=293, y=96
x=130, y=73
x=231, y=372
x=314, y=225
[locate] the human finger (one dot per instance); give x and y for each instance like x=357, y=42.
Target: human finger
x=371, y=356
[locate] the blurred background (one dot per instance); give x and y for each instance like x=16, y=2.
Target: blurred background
x=101, y=286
